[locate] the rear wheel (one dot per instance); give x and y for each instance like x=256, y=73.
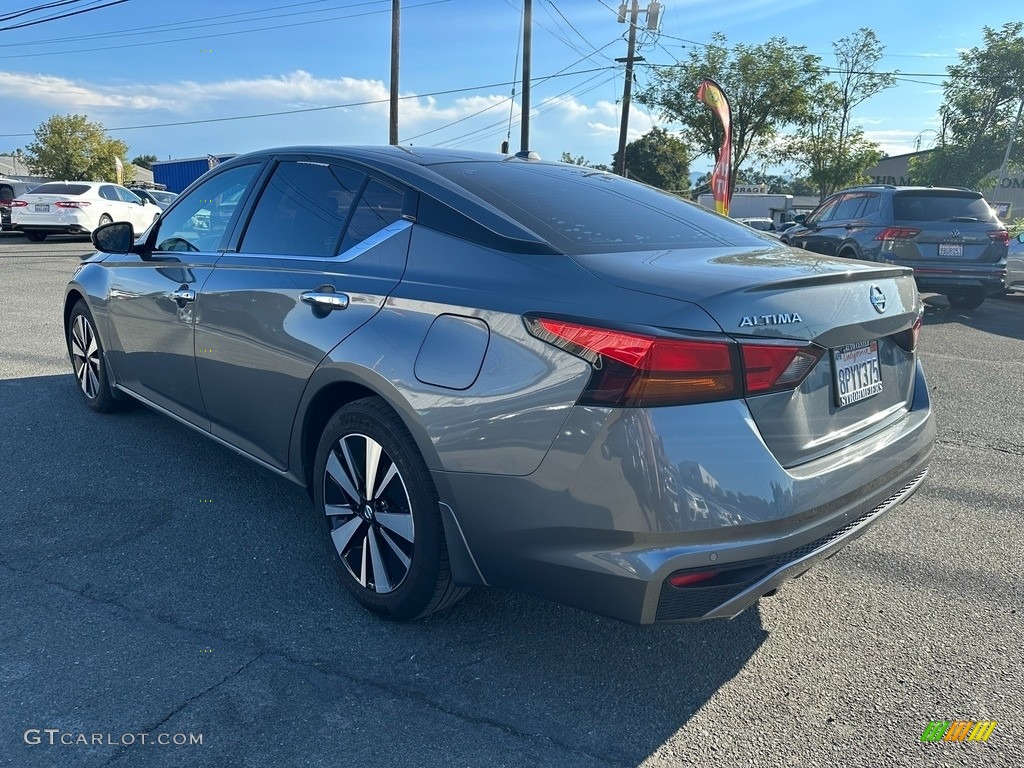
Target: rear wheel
x=86, y=351
x=35, y=237
x=105, y=219
x=971, y=299
x=379, y=512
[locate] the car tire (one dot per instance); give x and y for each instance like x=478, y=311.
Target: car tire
x=104, y=219
x=35, y=237
x=385, y=539
x=967, y=300
x=90, y=366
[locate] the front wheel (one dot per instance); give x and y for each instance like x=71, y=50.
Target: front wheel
x=967, y=300
x=379, y=513
x=86, y=352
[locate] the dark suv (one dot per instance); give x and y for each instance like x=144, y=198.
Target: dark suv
x=9, y=190
x=949, y=236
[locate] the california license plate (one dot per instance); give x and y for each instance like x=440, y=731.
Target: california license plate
x=856, y=372
x=42, y=208
x=954, y=250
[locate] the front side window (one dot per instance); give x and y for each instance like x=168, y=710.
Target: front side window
x=824, y=212
x=302, y=210
x=199, y=220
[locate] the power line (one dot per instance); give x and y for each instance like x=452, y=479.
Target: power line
x=200, y=23
x=217, y=34
x=316, y=109
x=62, y=16
x=36, y=9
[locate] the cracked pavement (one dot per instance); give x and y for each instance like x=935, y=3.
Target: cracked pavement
x=131, y=606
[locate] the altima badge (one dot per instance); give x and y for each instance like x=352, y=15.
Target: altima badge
x=759, y=320
x=877, y=299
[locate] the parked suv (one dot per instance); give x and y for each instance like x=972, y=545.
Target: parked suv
x=948, y=235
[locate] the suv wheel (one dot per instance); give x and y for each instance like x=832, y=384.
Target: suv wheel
x=971, y=299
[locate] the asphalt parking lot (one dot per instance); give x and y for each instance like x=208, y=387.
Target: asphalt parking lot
x=153, y=582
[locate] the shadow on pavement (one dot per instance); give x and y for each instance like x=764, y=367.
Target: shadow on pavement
x=1003, y=316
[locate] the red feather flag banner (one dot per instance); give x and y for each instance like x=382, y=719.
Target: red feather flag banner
x=711, y=94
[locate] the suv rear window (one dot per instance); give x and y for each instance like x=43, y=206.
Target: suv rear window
x=580, y=210
x=61, y=189
x=940, y=205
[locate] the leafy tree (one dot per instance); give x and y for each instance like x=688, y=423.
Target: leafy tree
x=659, y=159
x=145, y=161
x=568, y=157
x=71, y=148
x=767, y=87
x=981, y=96
x=832, y=151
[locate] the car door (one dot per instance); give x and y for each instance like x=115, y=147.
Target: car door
x=112, y=204
x=815, y=227
x=141, y=215
x=323, y=247
x=151, y=298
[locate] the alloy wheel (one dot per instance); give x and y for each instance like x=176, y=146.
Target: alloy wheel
x=369, y=511
x=85, y=356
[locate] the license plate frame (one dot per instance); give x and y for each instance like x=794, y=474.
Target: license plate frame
x=41, y=208
x=951, y=250
x=856, y=373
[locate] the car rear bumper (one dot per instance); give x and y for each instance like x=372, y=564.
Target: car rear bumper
x=605, y=520
x=944, y=278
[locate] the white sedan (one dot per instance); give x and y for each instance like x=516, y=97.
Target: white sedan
x=78, y=207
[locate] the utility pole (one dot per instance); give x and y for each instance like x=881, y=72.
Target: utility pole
x=396, y=11
x=524, y=140
x=627, y=89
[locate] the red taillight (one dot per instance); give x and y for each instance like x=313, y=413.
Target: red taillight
x=1000, y=235
x=71, y=203
x=635, y=369
x=641, y=370
x=771, y=367
x=689, y=579
x=908, y=339
x=898, y=233
x=17, y=203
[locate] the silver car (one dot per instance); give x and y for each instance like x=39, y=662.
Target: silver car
x=1015, y=264
x=504, y=371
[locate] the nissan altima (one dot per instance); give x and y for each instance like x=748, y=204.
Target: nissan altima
x=491, y=370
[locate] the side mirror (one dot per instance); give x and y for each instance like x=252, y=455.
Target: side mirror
x=116, y=237
x=143, y=201
x=800, y=218
x=1020, y=237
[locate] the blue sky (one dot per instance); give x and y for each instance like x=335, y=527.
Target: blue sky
x=144, y=62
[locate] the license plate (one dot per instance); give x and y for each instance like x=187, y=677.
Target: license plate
x=856, y=373
x=42, y=208
x=956, y=250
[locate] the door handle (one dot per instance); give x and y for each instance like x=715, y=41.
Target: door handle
x=325, y=300
x=183, y=294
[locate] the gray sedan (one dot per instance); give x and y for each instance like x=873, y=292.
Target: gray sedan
x=493, y=370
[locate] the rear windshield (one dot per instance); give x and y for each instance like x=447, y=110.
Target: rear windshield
x=580, y=210
x=940, y=205
x=163, y=197
x=61, y=189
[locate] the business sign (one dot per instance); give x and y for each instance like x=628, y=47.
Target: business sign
x=751, y=189
x=1002, y=210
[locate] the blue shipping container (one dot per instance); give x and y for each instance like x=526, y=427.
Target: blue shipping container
x=176, y=175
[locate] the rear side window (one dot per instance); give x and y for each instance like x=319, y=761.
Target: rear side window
x=109, y=193
x=940, y=205
x=61, y=189
x=850, y=206
x=579, y=210
x=302, y=210
x=379, y=206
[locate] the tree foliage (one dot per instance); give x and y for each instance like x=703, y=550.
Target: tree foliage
x=767, y=86
x=145, y=161
x=71, y=148
x=659, y=159
x=981, y=96
x=832, y=151
x=568, y=157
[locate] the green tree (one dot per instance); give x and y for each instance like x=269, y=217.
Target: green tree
x=766, y=84
x=568, y=157
x=981, y=96
x=71, y=148
x=145, y=161
x=659, y=159
x=826, y=145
